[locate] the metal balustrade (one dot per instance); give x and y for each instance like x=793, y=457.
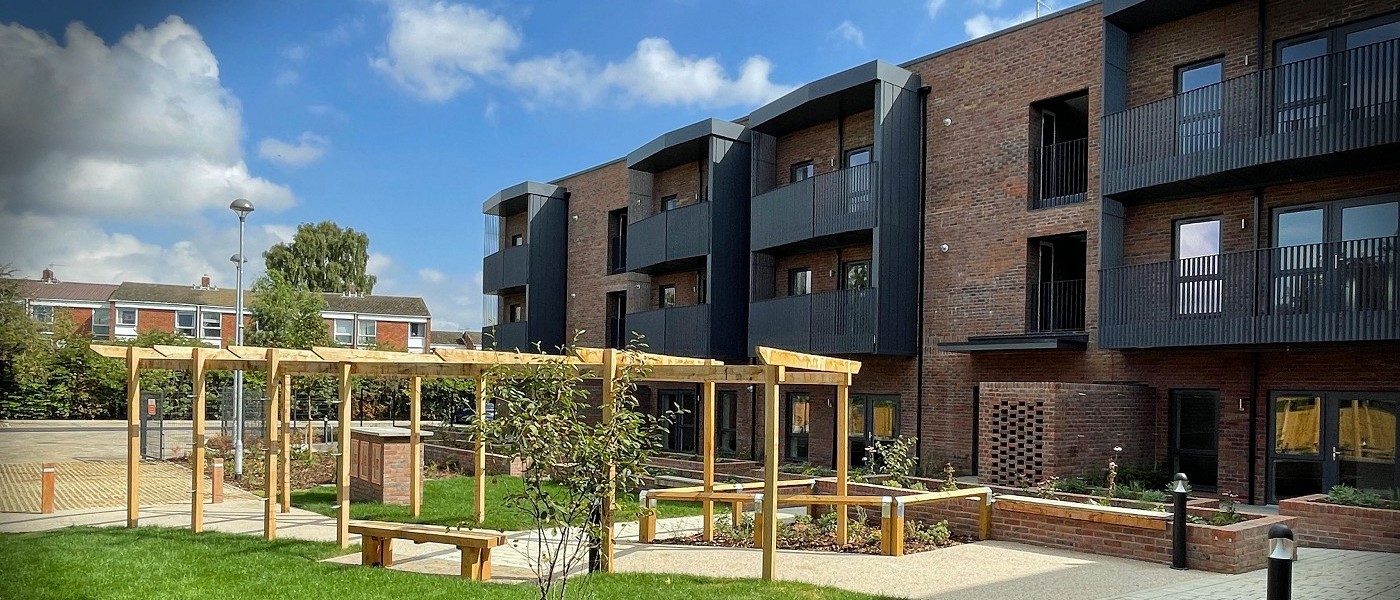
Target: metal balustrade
x=827, y=204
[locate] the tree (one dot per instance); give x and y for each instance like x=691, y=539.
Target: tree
x=285, y=316
x=323, y=258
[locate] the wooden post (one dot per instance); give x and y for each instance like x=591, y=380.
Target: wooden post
x=773, y=374
x=285, y=403
x=47, y=482
x=758, y=520
x=216, y=482
x=984, y=525
x=708, y=506
x=843, y=455
x=646, y=525
x=415, y=448
x=342, y=493
x=886, y=535
x=273, y=447
x=479, y=443
x=197, y=443
x=133, y=438
x=609, y=400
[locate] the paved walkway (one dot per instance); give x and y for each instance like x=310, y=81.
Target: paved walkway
x=99, y=484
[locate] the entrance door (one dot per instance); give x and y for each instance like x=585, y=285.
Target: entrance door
x=1325, y=439
x=1194, y=435
x=873, y=419
x=681, y=436
x=727, y=423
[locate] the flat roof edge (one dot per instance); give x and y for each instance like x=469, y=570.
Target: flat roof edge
x=873, y=71
x=708, y=127
x=524, y=188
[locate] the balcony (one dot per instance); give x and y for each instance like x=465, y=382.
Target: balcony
x=678, y=330
x=1056, y=306
x=1331, y=292
x=668, y=236
x=509, y=337
x=840, y=322
x=828, y=204
x=1303, y=120
x=506, y=269
x=1060, y=174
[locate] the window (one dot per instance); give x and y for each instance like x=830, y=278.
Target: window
x=517, y=239
x=1313, y=87
x=799, y=282
x=799, y=421
x=617, y=241
x=344, y=332
x=368, y=331
x=855, y=275
x=184, y=323
x=1193, y=425
x=682, y=405
x=42, y=314
x=670, y=203
x=126, y=317
x=803, y=170
x=1198, y=106
x=102, y=322
x=858, y=180
x=517, y=313
x=1302, y=85
x=616, y=305
x=666, y=296
x=1336, y=255
x=417, y=330
x=1198, y=266
x=727, y=423
x=212, y=323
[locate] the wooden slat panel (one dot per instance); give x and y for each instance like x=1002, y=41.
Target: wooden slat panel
x=809, y=362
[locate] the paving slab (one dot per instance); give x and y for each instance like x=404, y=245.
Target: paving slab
x=100, y=484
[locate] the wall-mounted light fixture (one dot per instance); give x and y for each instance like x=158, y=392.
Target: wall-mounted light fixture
x=947, y=122
x=944, y=247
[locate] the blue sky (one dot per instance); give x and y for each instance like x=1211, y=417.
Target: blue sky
x=123, y=139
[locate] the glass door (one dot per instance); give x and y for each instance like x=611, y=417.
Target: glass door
x=1194, y=435
x=681, y=435
x=873, y=419
x=726, y=423
x=1325, y=439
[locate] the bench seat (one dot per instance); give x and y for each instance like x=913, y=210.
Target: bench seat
x=377, y=544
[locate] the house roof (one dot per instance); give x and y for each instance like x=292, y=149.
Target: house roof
x=63, y=290
x=224, y=297
x=469, y=339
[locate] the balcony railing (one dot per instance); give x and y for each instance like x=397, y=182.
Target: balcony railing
x=669, y=235
x=840, y=322
x=1330, y=292
x=1056, y=306
x=505, y=269
x=509, y=337
x=678, y=330
x=1060, y=173
x=1333, y=103
x=830, y=203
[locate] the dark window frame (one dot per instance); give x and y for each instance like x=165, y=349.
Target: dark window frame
x=807, y=166
x=1325, y=397
x=727, y=423
x=1174, y=450
x=517, y=240
x=516, y=313
x=846, y=156
x=792, y=274
x=844, y=282
x=617, y=241
x=1198, y=272
x=671, y=202
x=1190, y=118
x=661, y=300
x=793, y=441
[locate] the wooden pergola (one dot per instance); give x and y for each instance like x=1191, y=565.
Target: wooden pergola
x=777, y=367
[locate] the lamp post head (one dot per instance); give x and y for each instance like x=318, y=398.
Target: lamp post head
x=238, y=260
x=1180, y=484
x=242, y=207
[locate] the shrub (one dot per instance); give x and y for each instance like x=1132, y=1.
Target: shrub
x=1350, y=496
x=936, y=534
x=896, y=460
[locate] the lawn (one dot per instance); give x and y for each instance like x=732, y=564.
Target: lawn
x=174, y=564
x=451, y=501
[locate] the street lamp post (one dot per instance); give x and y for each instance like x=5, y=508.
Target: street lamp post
x=242, y=208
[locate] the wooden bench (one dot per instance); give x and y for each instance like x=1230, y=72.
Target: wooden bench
x=377, y=545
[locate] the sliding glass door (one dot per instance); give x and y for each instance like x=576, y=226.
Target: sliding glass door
x=1323, y=439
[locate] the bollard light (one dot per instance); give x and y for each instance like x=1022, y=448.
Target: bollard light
x=1282, y=552
x=1281, y=543
x=1180, y=488
x=1180, y=485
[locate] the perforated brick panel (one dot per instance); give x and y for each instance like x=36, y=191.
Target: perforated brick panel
x=1018, y=441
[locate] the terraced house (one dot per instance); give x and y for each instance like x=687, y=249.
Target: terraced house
x=1151, y=231
x=206, y=312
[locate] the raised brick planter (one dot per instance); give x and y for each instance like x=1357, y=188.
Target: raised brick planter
x=461, y=460
x=1110, y=531
x=380, y=465
x=1325, y=525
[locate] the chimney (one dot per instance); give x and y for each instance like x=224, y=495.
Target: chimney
x=48, y=276
x=204, y=282
x=350, y=291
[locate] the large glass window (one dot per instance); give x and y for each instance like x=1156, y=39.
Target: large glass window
x=666, y=296
x=727, y=423
x=126, y=317
x=184, y=323
x=858, y=180
x=1302, y=84
x=803, y=170
x=799, y=282
x=41, y=313
x=369, y=331
x=1198, y=106
x=344, y=332
x=799, y=424
x=1323, y=439
x=855, y=275
x=212, y=324
x=1198, y=266
x=1194, y=425
x=102, y=322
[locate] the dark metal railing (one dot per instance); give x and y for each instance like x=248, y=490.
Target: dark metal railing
x=1335, y=291
x=674, y=234
x=508, y=336
x=1336, y=102
x=838, y=322
x=617, y=335
x=1060, y=173
x=835, y=202
x=1056, y=306
x=676, y=330
x=505, y=269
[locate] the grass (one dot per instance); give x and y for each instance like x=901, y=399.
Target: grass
x=451, y=501
x=174, y=564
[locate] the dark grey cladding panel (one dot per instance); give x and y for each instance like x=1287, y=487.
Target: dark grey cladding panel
x=1136, y=15
x=825, y=99
x=684, y=145
x=515, y=198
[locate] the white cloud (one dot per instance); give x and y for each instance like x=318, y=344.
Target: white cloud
x=96, y=139
x=378, y=263
x=307, y=149
x=287, y=77
x=295, y=53
x=435, y=50
x=983, y=24
x=934, y=6
x=438, y=50
x=431, y=275
x=326, y=110
x=849, y=32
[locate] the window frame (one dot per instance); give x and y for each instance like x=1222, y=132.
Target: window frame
x=517, y=240
x=844, y=282
x=671, y=202
x=1174, y=450
x=188, y=331
x=807, y=166
x=363, y=339
x=868, y=149
x=1186, y=117
x=661, y=296
x=103, y=329
x=122, y=312
x=792, y=280
x=218, y=325
x=349, y=334
x=422, y=330
x=47, y=309
x=792, y=440
x=515, y=313
x=1202, y=273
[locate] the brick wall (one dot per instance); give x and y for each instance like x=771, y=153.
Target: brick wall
x=513, y=225
x=1323, y=525
x=148, y=319
x=824, y=144
x=80, y=317
x=592, y=194
x=825, y=266
x=392, y=334
x=464, y=461
x=687, y=288
x=380, y=469
x=683, y=181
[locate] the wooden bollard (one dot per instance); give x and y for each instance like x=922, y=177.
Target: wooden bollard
x=46, y=490
x=736, y=512
x=646, y=527
x=758, y=521
x=216, y=477
x=892, y=527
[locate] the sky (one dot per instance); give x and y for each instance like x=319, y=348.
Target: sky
x=126, y=128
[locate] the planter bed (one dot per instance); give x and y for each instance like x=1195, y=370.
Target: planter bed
x=1322, y=524
x=804, y=534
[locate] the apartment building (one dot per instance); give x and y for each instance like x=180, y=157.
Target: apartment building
x=1153, y=232
x=207, y=313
